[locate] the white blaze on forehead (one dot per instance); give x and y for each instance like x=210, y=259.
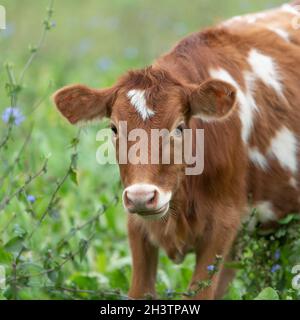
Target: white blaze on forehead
x=258, y=158
x=281, y=33
x=284, y=147
x=138, y=101
x=265, y=69
x=246, y=100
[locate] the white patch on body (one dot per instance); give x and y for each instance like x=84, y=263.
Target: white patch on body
x=265, y=212
x=293, y=183
x=249, y=18
x=258, y=158
x=284, y=148
x=290, y=9
x=232, y=20
x=137, y=99
x=281, y=33
x=266, y=70
x=246, y=100
x=252, y=18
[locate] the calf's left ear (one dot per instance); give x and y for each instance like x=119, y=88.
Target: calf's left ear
x=213, y=100
x=81, y=103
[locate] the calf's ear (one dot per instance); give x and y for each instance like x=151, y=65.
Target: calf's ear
x=81, y=103
x=213, y=100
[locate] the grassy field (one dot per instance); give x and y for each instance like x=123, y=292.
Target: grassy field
x=62, y=228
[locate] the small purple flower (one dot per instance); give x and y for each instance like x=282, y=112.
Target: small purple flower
x=275, y=268
x=211, y=268
x=31, y=198
x=277, y=255
x=13, y=114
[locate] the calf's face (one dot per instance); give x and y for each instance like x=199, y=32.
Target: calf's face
x=158, y=112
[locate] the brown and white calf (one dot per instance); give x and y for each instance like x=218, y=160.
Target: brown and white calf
x=240, y=82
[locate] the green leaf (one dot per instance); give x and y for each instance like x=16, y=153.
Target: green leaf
x=286, y=220
x=28, y=268
x=19, y=231
x=83, y=248
x=234, y=294
x=85, y=282
x=280, y=233
x=53, y=275
x=5, y=257
x=14, y=245
x=268, y=294
x=73, y=176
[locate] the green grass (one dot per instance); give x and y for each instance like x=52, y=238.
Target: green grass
x=93, y=42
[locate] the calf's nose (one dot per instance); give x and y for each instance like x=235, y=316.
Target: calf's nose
x=140, y=198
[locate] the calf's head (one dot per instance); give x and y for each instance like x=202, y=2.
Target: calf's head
x=151, y=100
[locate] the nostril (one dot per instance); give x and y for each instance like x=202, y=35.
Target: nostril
x=153, y=199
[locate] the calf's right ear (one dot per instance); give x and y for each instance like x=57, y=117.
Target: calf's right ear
x=81, y=103
x=213, y=100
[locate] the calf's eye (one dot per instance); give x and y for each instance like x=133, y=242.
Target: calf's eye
x=114, y=129
x=179, y=130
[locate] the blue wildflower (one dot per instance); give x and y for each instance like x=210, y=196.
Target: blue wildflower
x=112, y=23
x=277, y=255
x=13, y=114
x=84, y=46
x=9, y=30
x=275, y=268
x=169, y=293
x=104, y=63
x=211, y=267
x=31, y=198
x=131, y=52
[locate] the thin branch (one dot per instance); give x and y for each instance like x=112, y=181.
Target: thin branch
x=41, y=41
x=8, y=199
x=17, y=159
x=71, y=256
x=7, y=135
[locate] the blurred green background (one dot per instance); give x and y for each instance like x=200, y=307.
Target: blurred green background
x=91, y=42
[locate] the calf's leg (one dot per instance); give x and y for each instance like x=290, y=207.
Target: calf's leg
x=144, y=263
x=216, y=241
